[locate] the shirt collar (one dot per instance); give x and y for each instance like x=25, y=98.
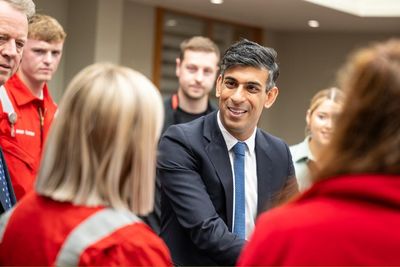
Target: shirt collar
x=230, y=140
x=21, y=93
x=305, y=152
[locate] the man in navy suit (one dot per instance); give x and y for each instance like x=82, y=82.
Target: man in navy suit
x=196, y=162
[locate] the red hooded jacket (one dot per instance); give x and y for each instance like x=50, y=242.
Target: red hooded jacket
x=343, y=221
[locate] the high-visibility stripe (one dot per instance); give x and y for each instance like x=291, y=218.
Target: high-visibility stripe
x=5, y=217
x=5, y=101
x=97, y=226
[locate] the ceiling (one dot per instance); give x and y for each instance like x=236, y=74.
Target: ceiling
x=280, y=15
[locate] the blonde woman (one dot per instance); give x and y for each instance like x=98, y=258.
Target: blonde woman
x=96, y=177
x=325, y=106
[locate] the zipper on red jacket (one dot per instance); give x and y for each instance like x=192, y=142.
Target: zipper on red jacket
x=41, y=119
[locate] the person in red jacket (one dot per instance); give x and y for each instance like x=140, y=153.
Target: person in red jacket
x=350, y=217
x=22, y=135
x=14, y=16
x=96, y=178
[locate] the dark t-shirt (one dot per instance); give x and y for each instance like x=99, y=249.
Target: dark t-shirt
x=181, y=116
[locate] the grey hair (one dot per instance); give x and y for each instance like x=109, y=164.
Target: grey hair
x=25, y=6
x=250, y=54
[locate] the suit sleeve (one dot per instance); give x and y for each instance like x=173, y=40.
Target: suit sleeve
x=178, y=170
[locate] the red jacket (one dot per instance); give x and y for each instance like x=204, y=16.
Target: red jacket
x=39, y=229
x=23, y=151
x=343, y=221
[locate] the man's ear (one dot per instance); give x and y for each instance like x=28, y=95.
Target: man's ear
x=178, y=67
x=271, y=96
x=218, y=86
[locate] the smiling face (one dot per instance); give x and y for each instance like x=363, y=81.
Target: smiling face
x=13, y=35
x=196, y=73
x=320, y=121
x=242, y=96
x=40, y=60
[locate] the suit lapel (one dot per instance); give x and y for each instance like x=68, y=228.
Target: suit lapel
x=219, y=157
x=264, y=168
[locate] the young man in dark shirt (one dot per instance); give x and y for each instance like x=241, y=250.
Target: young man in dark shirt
x=196, y=69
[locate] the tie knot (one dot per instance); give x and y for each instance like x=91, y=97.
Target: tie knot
x=239, y=148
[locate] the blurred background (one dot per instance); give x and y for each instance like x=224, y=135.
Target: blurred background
x=312, y=40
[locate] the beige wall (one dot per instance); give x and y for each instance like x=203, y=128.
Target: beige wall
x=118, y=31
x=80, y=44
x=308, y=63
x=138, y=37
x=109, y=31
x=123, y=32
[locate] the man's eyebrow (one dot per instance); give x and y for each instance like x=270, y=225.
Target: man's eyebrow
x=229, y=78
x=253, y=83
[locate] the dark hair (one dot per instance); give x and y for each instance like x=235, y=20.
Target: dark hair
x=367, y=139
x=250, y=54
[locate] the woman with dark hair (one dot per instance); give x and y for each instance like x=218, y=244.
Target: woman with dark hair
x=351, y=215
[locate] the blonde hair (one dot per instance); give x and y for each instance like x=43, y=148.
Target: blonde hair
x=333, y=94
x=102, y=146
x=45, y=28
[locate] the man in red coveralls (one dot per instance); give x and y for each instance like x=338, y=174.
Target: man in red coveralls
x=22, y=135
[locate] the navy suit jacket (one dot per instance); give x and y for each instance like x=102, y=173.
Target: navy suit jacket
x=9, y=185
x=197, y=190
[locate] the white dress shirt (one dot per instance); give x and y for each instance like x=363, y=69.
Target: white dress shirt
x=250, y=165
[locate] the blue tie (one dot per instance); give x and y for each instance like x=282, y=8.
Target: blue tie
x=4, y=193
x=239, y=226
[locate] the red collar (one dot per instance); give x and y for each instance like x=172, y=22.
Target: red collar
x=21, y=93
